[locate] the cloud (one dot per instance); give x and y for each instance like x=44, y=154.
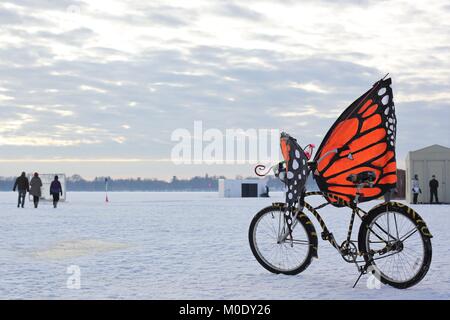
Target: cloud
x=43, y=141
x=235, y=11
x=75, y=37
x=309, y=86
x=167, y=20
x=9, y=17
x=116, y=80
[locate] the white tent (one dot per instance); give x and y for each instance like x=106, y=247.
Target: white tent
x=247, y=188
x=432, y=160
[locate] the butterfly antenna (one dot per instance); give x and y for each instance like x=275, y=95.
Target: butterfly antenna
x=260, y=168
x=385, y=76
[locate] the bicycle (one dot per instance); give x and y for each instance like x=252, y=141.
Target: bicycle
x=393, y=241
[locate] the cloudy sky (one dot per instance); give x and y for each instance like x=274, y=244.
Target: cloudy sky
x=97, y=87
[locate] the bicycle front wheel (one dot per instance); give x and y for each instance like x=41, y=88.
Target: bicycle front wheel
x=272, y=245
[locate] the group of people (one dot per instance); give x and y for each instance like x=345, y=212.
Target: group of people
x=433, y=184
x=34, y=188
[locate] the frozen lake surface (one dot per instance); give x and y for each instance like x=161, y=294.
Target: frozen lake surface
x=180, y=246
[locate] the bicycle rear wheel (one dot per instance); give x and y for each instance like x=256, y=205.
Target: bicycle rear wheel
x=395, y=245
x=274, y=248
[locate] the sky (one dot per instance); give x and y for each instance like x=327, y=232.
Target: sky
x=98, y=87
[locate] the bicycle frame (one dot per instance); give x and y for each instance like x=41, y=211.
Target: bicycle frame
x=326, y=234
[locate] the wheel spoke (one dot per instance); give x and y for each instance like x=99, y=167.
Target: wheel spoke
x=304, y=242
x=409, y=234
x=396, y=227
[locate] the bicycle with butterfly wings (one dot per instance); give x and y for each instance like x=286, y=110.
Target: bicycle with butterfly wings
x=393, y=241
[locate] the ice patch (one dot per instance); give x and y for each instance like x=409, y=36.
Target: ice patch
x=77, y=248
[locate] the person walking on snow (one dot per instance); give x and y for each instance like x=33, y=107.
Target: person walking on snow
x=434, y=185
x=22, y=186
x=415, y=188
x=55, y=191
x=35, y=188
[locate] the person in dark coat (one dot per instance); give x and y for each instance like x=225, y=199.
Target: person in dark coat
x=23, y=186
x=35, y=188
x=434, y=185
x=55, y=191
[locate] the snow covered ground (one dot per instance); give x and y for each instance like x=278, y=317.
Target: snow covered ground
x=179, y=246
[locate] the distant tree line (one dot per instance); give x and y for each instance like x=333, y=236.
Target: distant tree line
x=205, y=183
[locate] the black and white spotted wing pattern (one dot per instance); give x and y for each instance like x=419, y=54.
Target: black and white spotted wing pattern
x=389, y=112
x=296, y=171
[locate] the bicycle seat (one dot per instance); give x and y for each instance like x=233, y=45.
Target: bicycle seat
x=362, y=177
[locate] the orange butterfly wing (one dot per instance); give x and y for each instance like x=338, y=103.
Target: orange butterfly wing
x=362, y=139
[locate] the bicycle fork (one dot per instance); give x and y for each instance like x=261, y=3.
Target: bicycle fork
x=291, y=221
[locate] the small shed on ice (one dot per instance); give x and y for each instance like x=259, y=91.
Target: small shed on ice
x=246, y=188
x=426, y=162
